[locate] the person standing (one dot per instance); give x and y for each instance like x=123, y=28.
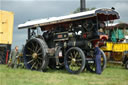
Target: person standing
x=13, y=57
x=97, y=58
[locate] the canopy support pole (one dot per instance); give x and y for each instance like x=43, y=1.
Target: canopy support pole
x=29, y=31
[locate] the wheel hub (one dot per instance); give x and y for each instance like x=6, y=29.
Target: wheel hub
x=34, y=55
x=73, y=60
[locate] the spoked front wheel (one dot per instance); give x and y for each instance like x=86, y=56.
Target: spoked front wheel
x=74, y=60
x=35, y=54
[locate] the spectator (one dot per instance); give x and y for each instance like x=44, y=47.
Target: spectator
x=13, y=57
x=97, y=58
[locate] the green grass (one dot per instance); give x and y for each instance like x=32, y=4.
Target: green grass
x=112, y=75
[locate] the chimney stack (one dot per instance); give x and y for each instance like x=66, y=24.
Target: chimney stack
x=82, y=5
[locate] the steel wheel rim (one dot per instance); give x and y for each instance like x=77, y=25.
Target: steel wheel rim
x=103, y=60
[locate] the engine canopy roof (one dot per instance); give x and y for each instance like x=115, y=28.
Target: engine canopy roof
x=102, y=14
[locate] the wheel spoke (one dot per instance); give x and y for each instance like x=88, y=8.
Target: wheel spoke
x=30, y=61
x=32, y=44
x=38, y=49
x=33, y=65
x=30, y=52
x=71, y=55
x=76, y=54
x=40, y=58
x=30, y=49
x=28, y=55
x=39, y=54
x=79, y=64
x=78, y=60
x=71, y=66
x=92, y=67
x=75, y=67
x=36, y=67
x=69, y=61
x=38, y=62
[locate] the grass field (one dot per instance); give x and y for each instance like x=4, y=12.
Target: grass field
x=112, y=75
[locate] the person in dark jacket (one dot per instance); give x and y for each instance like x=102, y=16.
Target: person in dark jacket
x=98, y=58
x=13, y=57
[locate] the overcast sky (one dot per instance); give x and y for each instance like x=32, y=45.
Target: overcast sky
x=35, y=9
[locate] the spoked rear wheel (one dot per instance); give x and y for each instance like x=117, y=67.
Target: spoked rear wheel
x=74, y=60
x=35, y=54
x=92, y=66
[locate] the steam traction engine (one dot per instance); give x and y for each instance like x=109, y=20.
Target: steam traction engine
x=66, y=41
